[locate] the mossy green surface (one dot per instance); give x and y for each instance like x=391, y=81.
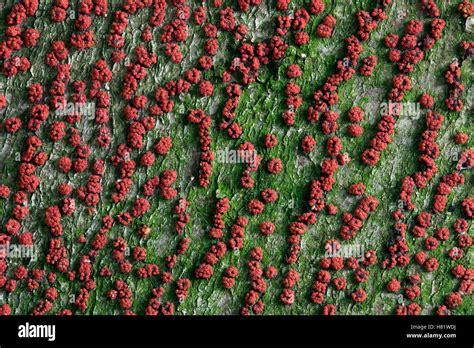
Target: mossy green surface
x=259, y=112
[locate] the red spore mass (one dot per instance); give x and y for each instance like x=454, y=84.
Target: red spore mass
x=165, y=156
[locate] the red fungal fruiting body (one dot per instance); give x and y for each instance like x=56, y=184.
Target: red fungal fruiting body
x=355, y=130
x=466, y=8
x=293, y=71
x=206, y=88
x=228, y=282
x=275, y=165
x=426, y=101
x=270, y=141
x=331, y=209
x=163, y=145
x=357, y=189
x=368, y=65
x=393, y=285
x=271, y=272
x=64, y=164
x=255, y=207
x=269, y=195
x=355, y=114
x=394, y=55
x=4, y=191
x=391, y=40
x=267, y=228
x=307, y=144
x=339, y=283
x=453, y=300
x=359, y=295
x=461, y=138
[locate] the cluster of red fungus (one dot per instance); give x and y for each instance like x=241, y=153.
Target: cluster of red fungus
x=455, y=87
x=355, y=115
x=217, y=250
x=18, y=35
x=411, y=52
x=142, y=112
x=253, y=298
